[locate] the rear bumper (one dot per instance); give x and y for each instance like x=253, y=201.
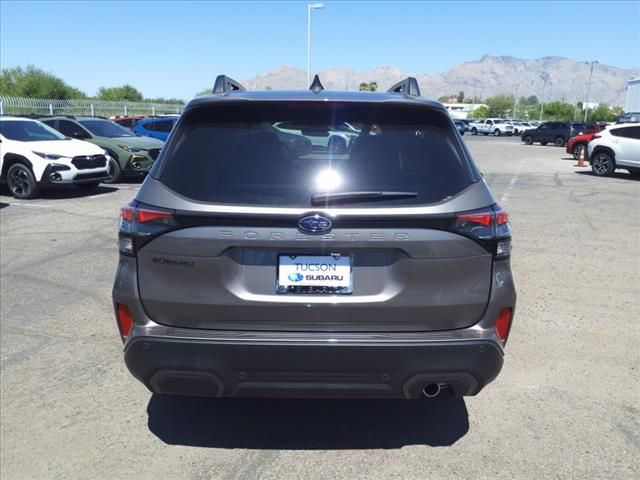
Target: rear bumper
x=322, y=368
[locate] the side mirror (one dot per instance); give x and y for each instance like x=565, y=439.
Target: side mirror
x=80, y=135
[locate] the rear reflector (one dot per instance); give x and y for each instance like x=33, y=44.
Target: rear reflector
x=503, y=322
x=125, y=320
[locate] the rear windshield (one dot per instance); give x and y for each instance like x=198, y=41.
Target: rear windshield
x=282, y=154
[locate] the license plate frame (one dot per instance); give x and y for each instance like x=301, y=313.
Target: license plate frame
x=343, y=287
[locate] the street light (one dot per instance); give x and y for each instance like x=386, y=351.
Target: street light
x=545, y=79
x=310, y=6
x=515, y=97
x=586, y=110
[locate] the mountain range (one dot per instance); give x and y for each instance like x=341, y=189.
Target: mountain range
x=491, y=75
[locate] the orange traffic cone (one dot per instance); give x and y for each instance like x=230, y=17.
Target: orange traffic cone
x=581, y=158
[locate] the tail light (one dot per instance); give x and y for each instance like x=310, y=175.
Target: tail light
x=490, y=227
x=125, y=320
x=503, y=324
x=139, y=224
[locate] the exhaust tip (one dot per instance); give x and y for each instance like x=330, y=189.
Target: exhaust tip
x=431, y=390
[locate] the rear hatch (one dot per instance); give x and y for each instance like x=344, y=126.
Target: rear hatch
x=256, y=229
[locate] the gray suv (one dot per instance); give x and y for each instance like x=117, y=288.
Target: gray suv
x=258, y=263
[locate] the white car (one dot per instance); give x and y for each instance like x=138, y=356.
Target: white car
x=492, y=126
x=34, y=155
x=616, y=147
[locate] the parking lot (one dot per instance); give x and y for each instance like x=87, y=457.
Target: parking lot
x=566, y=404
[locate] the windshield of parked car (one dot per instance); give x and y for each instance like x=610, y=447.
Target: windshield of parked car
x=105, y=128
x=28, y=131
x=281, y=154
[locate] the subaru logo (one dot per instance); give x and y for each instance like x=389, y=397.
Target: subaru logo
x=295, y=277
x=314, y=224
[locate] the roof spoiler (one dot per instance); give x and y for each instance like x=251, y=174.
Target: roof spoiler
x=226, y=84
x=408, y=86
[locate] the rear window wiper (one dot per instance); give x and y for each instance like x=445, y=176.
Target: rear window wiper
x=324, y=198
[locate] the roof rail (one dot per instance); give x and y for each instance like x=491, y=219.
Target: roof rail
x=316, y=86
x=408, y=86
x=226, y=84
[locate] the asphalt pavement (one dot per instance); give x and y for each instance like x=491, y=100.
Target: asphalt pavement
x=566, y=405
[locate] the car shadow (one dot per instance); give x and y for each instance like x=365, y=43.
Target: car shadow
x=62, y=192
x=624, y=176
x=301, y=424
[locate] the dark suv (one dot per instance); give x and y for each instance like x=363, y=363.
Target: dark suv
x=370, y=265
x=553, y=132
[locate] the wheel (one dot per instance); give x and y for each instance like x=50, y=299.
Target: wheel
x=559, y=142
x=577, y=150
x=474, y=131
x=602, y=164
x=528, y=140
x=497, y=132
x=88, y=187
x=21, y=181
x=543, y=143
x=115, y=172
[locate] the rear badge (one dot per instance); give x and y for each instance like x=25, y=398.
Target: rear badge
x=177, y=263
x=315, y=224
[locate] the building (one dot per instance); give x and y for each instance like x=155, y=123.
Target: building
x=632, y=105
x=462, y=110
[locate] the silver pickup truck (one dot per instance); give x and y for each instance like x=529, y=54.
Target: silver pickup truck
x=492, y=126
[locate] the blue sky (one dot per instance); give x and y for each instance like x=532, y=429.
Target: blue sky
x=175, y=49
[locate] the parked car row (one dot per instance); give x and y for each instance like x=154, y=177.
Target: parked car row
x=59, y=150
x=557, y=133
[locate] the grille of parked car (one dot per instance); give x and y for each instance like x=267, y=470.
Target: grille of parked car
x=154, y=152
x=89, y=176
x=89, y=161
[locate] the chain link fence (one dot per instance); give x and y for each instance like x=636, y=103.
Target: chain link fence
x=100, y=108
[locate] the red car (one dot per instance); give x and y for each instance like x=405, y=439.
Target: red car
x=128, y=121
x=576, y=144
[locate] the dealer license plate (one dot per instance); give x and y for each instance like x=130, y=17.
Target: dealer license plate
x=314, y=274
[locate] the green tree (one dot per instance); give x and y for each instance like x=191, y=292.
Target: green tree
x=368, y=87
x=480, y=112
x=532, y=100
x=603, y=113
x=31, y=82
x=559, y=111
x=125, y=92
x=500, y=105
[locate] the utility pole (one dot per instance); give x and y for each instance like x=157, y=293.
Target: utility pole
x=515, y=100
x=586, y=110
x=545, y=79
x=310, y=6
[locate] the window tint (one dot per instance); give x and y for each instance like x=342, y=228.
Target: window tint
x=70, y=129
x=105, y=128
x=626, y=132
x=164, y=125
x=149, y=126
x=28, y=131
x=236, y=154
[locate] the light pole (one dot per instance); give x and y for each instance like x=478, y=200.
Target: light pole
x=545, y=79
x=586, y=110
x=310, y=6
x=515, y=96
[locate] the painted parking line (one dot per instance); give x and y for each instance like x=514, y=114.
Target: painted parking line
x=38, y=205
x=512, y=183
